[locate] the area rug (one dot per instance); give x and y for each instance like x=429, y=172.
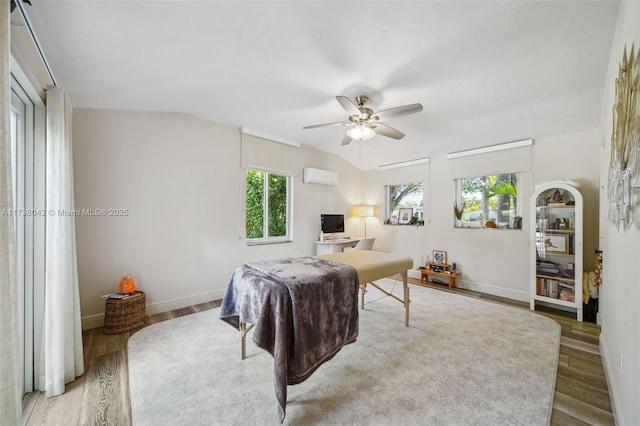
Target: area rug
x=463, y=361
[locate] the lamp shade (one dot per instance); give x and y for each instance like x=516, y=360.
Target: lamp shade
x=361, y=132
x=364, y=211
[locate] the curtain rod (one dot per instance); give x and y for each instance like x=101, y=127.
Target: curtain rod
x=27, y=23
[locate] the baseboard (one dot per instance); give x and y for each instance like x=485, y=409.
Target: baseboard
x=610, y=378
x=508, y=293
x=97, y=320
x=93, y=321
x=412, y=273
x=183, y=302
x=522, y=296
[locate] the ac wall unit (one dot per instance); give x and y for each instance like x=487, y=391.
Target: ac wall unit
x=320, y=177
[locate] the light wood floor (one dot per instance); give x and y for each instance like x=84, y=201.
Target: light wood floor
x=101, y=395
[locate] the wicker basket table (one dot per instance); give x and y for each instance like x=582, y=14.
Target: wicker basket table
x=122, y=315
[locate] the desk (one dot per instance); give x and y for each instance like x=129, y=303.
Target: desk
x=334, y=246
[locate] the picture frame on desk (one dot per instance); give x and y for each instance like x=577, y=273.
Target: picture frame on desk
x=404, y=216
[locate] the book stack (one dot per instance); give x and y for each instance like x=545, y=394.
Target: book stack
x=553, y=288
x=120, y=296
x=553, y=270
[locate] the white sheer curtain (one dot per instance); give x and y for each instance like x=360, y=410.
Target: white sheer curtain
x=63, y=360
x=10, y=388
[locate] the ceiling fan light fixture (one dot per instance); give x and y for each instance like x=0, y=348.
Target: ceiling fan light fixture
x=361, y=132
x=367, y=123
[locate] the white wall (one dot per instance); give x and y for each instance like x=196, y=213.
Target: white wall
x=409, y=240
x=620, y=290
x=491, y=260
x=574, y=157
x=179, y=178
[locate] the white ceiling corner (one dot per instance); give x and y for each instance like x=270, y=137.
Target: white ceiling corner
x=486, y=72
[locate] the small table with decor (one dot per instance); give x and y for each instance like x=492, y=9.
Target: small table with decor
x=441, y=270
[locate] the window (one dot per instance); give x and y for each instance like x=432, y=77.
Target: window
x=488, y=198
x=405, y=196
x=267, y=207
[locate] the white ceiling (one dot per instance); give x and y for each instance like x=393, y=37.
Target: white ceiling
x=487, y=72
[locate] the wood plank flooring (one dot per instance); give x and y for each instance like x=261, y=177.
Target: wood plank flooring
x=101, y=395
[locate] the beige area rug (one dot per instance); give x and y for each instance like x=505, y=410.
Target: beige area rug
x=462, y=361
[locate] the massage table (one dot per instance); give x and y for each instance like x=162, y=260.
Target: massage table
x=374, y=265
x=370, y=265
x=280, y=299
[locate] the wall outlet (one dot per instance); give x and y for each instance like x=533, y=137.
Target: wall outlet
x=621, y=360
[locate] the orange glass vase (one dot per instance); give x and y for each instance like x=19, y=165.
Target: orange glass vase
x=128, y=284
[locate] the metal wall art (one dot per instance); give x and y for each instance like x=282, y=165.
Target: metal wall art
x=624, y=165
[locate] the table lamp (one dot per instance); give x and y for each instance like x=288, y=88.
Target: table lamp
x=364, y=212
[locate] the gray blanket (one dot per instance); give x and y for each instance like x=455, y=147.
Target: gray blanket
x=305, y=310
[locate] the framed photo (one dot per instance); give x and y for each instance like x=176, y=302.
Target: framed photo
x=440, y=256
x=404, y=217
x=555, y=243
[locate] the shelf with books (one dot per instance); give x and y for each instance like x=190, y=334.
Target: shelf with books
x=550, y=277
x=556, y=289
x=556, y=249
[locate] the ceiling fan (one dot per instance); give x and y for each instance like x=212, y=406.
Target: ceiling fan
x=367, y=123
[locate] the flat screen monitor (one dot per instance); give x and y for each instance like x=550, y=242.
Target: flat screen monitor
x=332, y=223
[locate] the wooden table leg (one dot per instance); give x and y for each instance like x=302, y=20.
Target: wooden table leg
x=242, y=326
x=405, y=285
x=452, y=281
x=363, y=288
x=243, y=337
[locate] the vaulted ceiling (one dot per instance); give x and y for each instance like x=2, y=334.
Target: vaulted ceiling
x=486, y=72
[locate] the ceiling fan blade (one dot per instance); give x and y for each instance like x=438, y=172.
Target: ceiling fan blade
x=326, y=125
x=348, y=105
x=346, y=140
x=396, y=112
x=390, y=132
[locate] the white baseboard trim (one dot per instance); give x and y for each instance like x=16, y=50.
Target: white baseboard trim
x=610, y=378
x=93, y=321
x=412, y=273
x=183, y=302
x=522, y=296
x=97, y=320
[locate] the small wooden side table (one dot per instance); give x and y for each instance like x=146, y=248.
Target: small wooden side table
x=122, y=315
x=450, y=276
